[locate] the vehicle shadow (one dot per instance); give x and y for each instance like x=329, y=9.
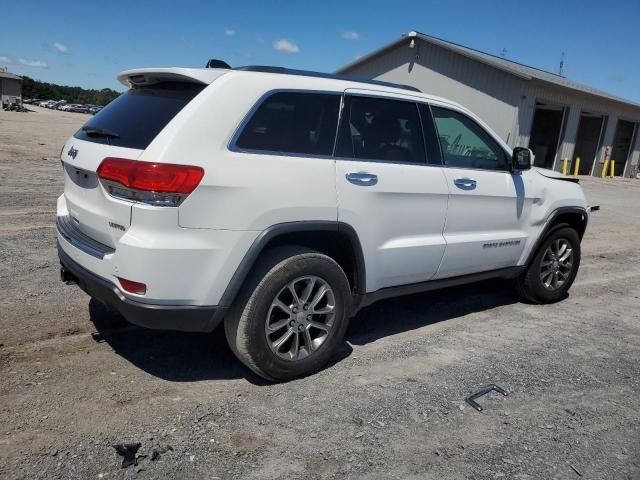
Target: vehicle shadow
x=176, y=356
x=410, y=312
x=187, y=357
x=173, y=356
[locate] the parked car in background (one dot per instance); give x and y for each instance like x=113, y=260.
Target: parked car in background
x=64, y=105
x=79, y=109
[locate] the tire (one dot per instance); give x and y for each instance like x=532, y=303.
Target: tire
x=252, y=326
x=535, y=285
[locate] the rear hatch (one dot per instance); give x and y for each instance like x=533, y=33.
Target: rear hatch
x=123, y=129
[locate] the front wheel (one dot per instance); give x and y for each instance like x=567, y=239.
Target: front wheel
x=291, y=314
x=553, y=269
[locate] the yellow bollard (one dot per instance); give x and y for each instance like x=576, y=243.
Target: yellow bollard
x=565, y=164
x=604, y=168
x=613, y=168
x=576, y=169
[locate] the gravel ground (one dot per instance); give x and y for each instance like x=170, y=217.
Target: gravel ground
x=75, y=379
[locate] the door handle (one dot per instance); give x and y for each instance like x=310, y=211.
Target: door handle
x=362, y=179
x=465, y=183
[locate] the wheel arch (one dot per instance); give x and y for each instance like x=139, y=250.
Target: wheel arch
x=575, y=217
x=335, y=239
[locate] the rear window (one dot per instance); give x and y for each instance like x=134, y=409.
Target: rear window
x=293, y=122
x=136, y=117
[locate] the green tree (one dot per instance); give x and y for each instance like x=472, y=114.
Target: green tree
x=50, y=91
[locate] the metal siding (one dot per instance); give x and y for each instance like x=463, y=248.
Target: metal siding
x=577, y=103
x=486, y=91
x=634, y=156
x=568, y=143
x=521, y=70
x=10, y=88
x=506, y=102
x=609, y=132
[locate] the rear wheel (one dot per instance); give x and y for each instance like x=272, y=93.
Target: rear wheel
x=290, y=315
x=553, y=268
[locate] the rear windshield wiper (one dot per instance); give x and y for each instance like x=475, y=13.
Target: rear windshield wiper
x=99, y=132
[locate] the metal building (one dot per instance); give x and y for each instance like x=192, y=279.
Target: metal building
x=10, y=87
x=554, y=116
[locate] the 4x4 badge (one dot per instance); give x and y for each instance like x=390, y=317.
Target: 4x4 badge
x=72, y=152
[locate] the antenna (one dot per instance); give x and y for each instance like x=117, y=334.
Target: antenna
x=503, y=54
x=561, y=72
x=215, y=63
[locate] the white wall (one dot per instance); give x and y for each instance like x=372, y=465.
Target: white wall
x=504, y=101
x=486, y=91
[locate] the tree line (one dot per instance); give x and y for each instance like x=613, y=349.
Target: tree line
x=50, y=91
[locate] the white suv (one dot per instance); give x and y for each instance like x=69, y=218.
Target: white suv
x=281, y=202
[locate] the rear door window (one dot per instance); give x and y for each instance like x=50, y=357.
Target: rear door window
x=137, y=116
x=293, y=123
x=381, y=130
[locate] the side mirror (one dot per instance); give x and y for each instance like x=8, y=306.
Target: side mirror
x=521, y=159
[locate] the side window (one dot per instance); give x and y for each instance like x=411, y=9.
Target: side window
x=465, y=144
x=380, y=129
x=293, y=122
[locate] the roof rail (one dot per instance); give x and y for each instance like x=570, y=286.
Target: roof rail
x=306, y=73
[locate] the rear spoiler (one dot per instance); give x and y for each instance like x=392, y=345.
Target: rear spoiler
x=149, y=76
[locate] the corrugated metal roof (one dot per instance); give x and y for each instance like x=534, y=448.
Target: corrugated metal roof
x=9, y=75
x=509, y=66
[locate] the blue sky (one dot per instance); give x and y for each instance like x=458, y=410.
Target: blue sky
x=88, y=43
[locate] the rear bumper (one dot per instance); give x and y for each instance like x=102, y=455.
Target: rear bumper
x=185, y=318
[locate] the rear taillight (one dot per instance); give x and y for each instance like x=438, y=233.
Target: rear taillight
x=159, y=184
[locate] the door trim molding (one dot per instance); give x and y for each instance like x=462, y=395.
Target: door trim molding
x=367, y=299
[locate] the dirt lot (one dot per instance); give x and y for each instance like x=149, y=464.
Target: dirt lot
x=74, y=379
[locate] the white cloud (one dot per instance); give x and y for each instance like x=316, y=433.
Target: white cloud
x=60, y=47
x=351, y=35
x=229, y=33
x=4, y=59
x=285, y=45
x=32, y=63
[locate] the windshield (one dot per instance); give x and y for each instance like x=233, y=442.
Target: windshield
x=136, y=117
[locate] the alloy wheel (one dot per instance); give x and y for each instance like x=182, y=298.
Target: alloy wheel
x=556, y=264
x=300, y=318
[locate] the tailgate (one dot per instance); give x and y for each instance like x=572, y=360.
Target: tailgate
x=94, y=212
x=123, y=129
